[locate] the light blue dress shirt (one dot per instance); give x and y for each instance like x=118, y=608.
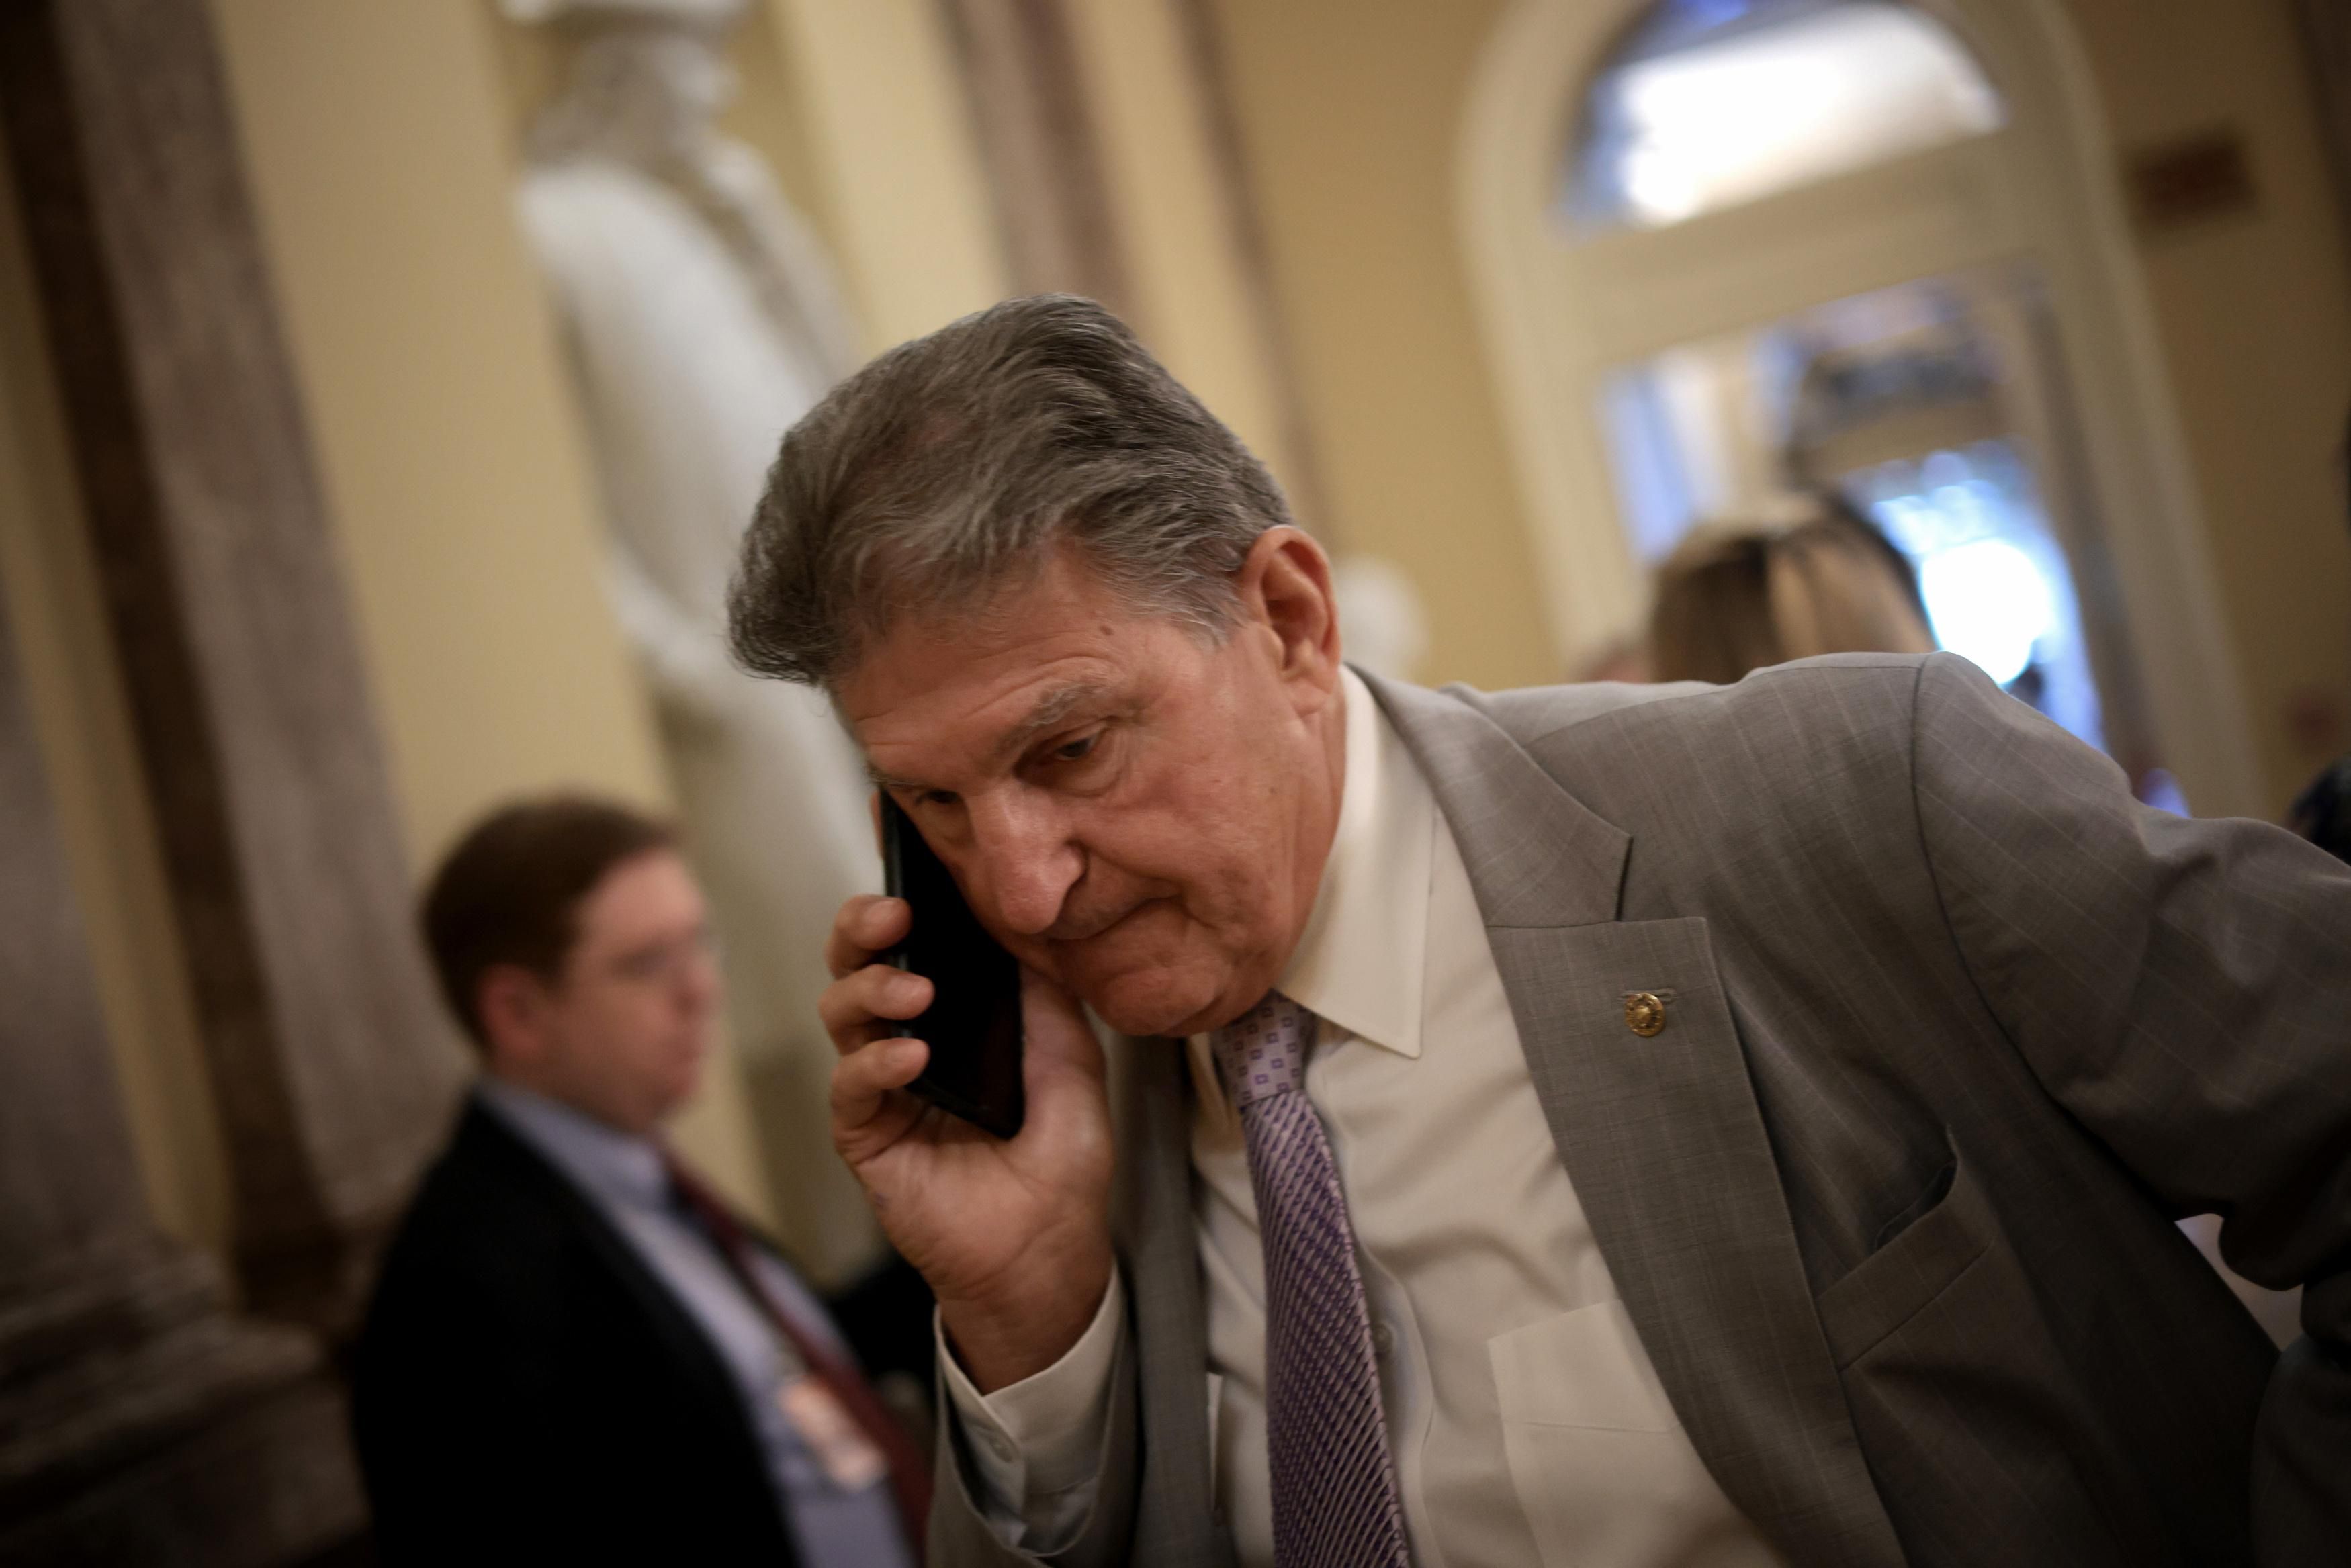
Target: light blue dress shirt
x=622, y=1176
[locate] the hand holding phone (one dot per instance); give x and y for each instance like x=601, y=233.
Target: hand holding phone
x=1012, y=1233
x=973, y=1024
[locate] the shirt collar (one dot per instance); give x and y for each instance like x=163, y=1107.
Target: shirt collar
x=616, y=1167
x=1363, y=960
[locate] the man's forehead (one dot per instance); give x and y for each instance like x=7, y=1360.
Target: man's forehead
x=651, y=888
x=982, y=722
x=1053, y=632
x=963, y=690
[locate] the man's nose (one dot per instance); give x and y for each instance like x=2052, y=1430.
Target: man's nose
x=1025, y=861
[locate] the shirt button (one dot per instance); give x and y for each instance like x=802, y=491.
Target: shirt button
x=1382, y=1341
x=1000, y=1445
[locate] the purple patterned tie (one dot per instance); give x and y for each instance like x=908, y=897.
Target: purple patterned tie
x=1334, y=1486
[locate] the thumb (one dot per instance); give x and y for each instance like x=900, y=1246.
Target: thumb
x=1056, y=1028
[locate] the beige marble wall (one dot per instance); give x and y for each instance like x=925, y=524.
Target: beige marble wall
x=1349, y=117
x=381, y=153
x=894, y=165
x=2256, y=321
x=1183, y=212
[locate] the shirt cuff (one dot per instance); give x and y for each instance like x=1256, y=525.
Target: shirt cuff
x=1042, y=1437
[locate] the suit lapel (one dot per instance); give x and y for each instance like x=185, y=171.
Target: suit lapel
x=1660, y=1135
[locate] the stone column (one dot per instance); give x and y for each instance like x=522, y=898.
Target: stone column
x=331, y=1069
x=139, y=1422
x=1037, y=138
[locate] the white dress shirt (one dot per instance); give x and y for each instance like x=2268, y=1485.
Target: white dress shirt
x=1526, y=1420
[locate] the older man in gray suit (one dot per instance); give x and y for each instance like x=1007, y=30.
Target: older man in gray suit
x=1600, y=1125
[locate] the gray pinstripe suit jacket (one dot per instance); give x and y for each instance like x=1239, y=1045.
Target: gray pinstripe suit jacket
x=1957, y=1031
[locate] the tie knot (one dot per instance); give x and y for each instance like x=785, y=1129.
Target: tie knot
x=1263, y=1052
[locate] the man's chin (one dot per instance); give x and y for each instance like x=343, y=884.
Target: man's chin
x=1160, y=1002
x=1155, y=973
x=682, y=1085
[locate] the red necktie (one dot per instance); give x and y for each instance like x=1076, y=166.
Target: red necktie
x=910, y=1473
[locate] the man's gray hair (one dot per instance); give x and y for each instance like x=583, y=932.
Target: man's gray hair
x=955, y=466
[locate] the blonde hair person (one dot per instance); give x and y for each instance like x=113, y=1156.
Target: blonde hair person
x=1736, y=597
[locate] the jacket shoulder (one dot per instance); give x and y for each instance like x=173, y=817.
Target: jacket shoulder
x=1786, y=696
x=1803, y=765
x=488, y=1217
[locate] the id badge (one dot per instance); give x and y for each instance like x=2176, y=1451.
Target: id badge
x=850, y=1458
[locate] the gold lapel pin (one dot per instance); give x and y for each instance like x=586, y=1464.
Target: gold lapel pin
x=1645, y=1012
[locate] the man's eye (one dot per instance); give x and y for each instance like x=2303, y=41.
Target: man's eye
x=1075, y=751
x=936, y=797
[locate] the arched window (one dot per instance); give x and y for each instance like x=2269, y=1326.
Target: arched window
x=1713, y=103
x=1726, y=248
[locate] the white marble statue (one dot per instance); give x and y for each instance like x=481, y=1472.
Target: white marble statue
x=702, y=321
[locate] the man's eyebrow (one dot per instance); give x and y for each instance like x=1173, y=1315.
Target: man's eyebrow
x=889, y=783
x=1049, y=711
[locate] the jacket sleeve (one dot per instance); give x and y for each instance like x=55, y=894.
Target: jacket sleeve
x=2183, y=988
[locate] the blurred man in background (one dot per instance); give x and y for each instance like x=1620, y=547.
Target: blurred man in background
x=577, y=1352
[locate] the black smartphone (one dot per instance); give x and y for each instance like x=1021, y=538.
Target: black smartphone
x=973, y=1024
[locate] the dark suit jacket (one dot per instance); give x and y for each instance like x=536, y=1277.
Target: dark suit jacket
x=1955, y=1031
x=527, y=1391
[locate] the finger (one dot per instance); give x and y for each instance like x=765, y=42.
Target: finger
x=867, y=1005
x=866, y=925
x=864, y=1079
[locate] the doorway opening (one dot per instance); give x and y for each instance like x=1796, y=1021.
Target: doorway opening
x=1938, y=410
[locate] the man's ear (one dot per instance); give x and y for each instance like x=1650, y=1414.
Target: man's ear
x=1285, y=584
x=512, y=1005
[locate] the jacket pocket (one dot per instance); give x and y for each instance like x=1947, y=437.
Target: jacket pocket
x=1984, y=1442
x=1925, y=1258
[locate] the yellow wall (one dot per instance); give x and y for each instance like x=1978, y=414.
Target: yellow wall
x=1350, y=112
x=2255, y=313
x=380, y=162
x=895, y=172
x=381, y=155
x=1179, y=226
